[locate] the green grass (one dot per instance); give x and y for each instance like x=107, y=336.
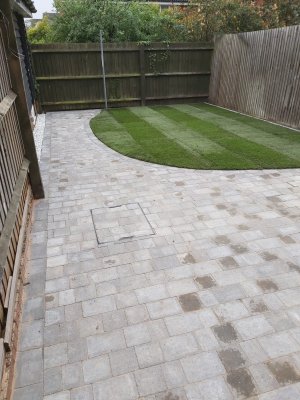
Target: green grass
x=197, y=136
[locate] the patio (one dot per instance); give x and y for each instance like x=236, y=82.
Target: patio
x=157, y=283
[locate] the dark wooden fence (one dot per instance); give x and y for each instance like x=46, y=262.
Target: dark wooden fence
x=19, y=174
x=70, y=75
x=258, y=73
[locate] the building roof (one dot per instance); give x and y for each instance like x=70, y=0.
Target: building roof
x=30, y=5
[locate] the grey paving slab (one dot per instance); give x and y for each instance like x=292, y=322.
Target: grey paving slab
x=158, y=283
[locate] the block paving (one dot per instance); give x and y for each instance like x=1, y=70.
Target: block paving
x=191, y=293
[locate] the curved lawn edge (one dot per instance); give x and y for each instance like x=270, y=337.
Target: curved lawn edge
x=176, y=137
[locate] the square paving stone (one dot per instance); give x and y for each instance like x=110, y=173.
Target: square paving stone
x=29, y=367
x=202, y=366
x=82, y=393
x=211, y=389
x=225, y=333
x=189, y=302
x=149, y=354
x=205, y=282
x=119, y=388
x=252, y=327
x=123, y=361
x=150, y=380
x=241, y=382
x=231, y=358
x=279, y=344
x=32, y=392
x=284, y=371
x=96, y=369
x=120, y=223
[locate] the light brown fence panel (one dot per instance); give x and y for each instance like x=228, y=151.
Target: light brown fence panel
x=70, y=75
x=14, y=183
x=258, y=73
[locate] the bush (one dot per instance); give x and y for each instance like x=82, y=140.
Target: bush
x=41, y=32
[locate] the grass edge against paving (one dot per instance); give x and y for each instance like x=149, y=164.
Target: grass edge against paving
x=131, y=135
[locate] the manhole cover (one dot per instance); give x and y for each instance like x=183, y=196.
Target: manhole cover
x=120, y=223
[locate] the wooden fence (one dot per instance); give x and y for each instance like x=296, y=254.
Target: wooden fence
x=258, y=73
x=70, y=75
x=19, y=174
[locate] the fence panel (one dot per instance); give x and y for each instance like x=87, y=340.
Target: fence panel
x=70, y=75
x=258, y=73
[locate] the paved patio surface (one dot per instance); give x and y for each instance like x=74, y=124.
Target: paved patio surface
x=156, y=283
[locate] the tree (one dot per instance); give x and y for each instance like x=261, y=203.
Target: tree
x=82, y=20
x=41, y=32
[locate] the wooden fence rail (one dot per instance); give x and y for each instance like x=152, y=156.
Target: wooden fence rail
x=70, y=75
x=258, y=73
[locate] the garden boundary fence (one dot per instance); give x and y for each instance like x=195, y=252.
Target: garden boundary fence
x=69, y=76
x=258, y=73
x=19, y=176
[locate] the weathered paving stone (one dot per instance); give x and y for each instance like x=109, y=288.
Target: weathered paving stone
x=225, y=333
x=228, y=262
x=231, y=358
x=175, y=394
x=284, y=371
x=205, y=282
x=267, y=285
x=256, y=305
x=241, y=382
x=189, y=302
x=267, y=256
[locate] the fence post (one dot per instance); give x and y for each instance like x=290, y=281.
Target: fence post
x=143, y=77
x=103, y=70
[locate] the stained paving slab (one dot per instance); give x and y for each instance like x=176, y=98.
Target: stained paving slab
x=191, y=292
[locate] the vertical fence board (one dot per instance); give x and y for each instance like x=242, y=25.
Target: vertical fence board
x=258, y=73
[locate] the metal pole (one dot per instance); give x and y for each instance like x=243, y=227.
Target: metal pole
x=103, y=70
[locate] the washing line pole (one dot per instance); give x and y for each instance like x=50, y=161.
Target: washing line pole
x=103, y=69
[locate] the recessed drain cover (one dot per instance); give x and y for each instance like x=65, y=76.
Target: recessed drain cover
x=120, y=223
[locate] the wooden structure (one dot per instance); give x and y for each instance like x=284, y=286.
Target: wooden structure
x=19, y=170
x=258, y=73
x=70, y=75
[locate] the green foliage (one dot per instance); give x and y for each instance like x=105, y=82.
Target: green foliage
x=81, y=20
x=41, y=32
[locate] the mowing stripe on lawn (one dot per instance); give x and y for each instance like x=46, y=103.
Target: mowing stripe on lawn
x=159, y=148
x=213, y=154
x=114, y=135
x=265, y=126
x=283, y=142
x=263, y=156
x=185, y=139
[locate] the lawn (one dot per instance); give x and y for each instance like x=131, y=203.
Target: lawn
x=197, y=136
